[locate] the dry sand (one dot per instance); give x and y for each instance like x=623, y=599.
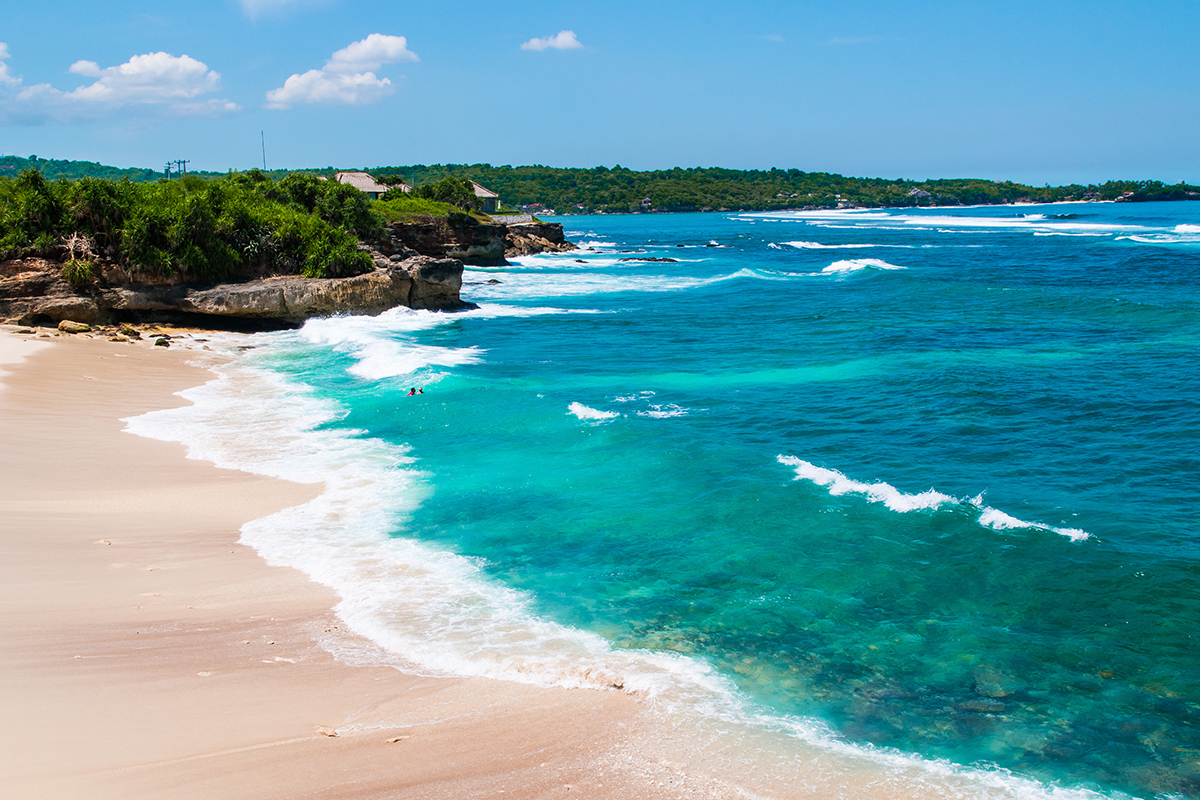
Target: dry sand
x=146, y=654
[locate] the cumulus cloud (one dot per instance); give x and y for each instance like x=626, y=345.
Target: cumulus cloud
x=5, y=78
x=153, y=79
x=348, y=77
x=150, y=78
x=563, y=40
x=89, y=69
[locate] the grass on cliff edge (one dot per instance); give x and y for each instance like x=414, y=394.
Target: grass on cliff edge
x=407, y=208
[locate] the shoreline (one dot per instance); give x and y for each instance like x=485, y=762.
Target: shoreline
x=146, y=648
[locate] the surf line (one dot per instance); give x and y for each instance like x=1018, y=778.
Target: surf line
x=838, y=484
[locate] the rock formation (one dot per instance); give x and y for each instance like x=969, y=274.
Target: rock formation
x=473, y=242
x=417, y=264
x=35, y=291
x=527, y=238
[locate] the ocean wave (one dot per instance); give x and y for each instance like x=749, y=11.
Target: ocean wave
x=664, y=411
x=838, y=484
x=854, y=265
x=1180, y=234
x=542, y=285
x=378, y=346
x=382, y=346
x=588, y=413
x=945, y=222
x=819, y=246
x=1065, y=233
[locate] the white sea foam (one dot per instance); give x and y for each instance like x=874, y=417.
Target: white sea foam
x=588, y=413
x=1180, y=234
x=382, y=346
x=1065, y=233
x=839, y=484
x=664, y=411
x=944, y=222
x=931, y=499
x=862, y=246
x=541, y=285
x=379, y=346
x=854, y=265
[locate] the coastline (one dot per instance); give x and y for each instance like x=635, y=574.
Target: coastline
x=146, y=648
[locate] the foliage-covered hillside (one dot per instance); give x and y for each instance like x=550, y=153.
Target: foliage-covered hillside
x=697, y=189
x=701, y=189
x=229, y=228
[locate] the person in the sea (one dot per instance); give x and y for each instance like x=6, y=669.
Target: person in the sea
x=421, y=390
x=412, y=391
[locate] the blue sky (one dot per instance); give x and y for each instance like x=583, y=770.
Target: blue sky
x=1047, y=92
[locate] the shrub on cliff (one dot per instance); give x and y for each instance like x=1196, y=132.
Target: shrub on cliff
x=398, y=206
x=458, y=192
x=199, y=230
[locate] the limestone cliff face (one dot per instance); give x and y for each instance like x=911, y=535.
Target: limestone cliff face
x=34, y=290
x=462, y=237
x=473, y=242
x=527, y=238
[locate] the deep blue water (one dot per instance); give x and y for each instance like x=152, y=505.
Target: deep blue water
x=928, y=476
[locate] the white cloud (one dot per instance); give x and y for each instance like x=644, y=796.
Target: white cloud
x=563, y=40
x=371, y=53
x=150, y=78
x=348, y=77
x=5, y=78
x=153, y=79
x=88, y=68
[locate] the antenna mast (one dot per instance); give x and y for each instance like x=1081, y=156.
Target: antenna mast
x=264, y=148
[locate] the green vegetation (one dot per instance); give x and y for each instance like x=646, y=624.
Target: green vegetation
x=11, y=166
x=200, y=230
x=396, y=206
x=703, y=189
x=458, y=192
x=605, y=190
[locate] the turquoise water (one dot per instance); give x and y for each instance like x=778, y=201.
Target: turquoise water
x=925, y=476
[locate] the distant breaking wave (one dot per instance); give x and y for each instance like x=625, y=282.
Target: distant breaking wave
x=896, y=500
x=854, y=265
x=588, y=413
x=819, y=246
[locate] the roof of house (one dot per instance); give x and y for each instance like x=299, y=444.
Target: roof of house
x=361, y=181
x=482, y=192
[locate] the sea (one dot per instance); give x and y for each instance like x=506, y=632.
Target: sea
x=861, y=502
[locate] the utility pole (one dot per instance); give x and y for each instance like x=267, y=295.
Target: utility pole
x=263, y=134
x=167, y=169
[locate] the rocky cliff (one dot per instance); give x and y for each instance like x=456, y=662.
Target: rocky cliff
x=35, y=291
x=471, y=241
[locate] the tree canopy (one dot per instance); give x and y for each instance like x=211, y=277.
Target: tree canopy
x=199, y=230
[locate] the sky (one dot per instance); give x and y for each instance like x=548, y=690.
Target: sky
x=1037, y=92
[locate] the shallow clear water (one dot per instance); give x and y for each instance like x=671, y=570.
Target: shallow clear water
x=925, y=476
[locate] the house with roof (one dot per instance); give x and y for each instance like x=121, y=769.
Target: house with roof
x=490, y=200
x=368, y=185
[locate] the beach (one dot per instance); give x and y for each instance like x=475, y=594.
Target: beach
x=148, y=654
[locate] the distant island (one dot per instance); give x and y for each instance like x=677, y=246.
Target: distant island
x=604, y=190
